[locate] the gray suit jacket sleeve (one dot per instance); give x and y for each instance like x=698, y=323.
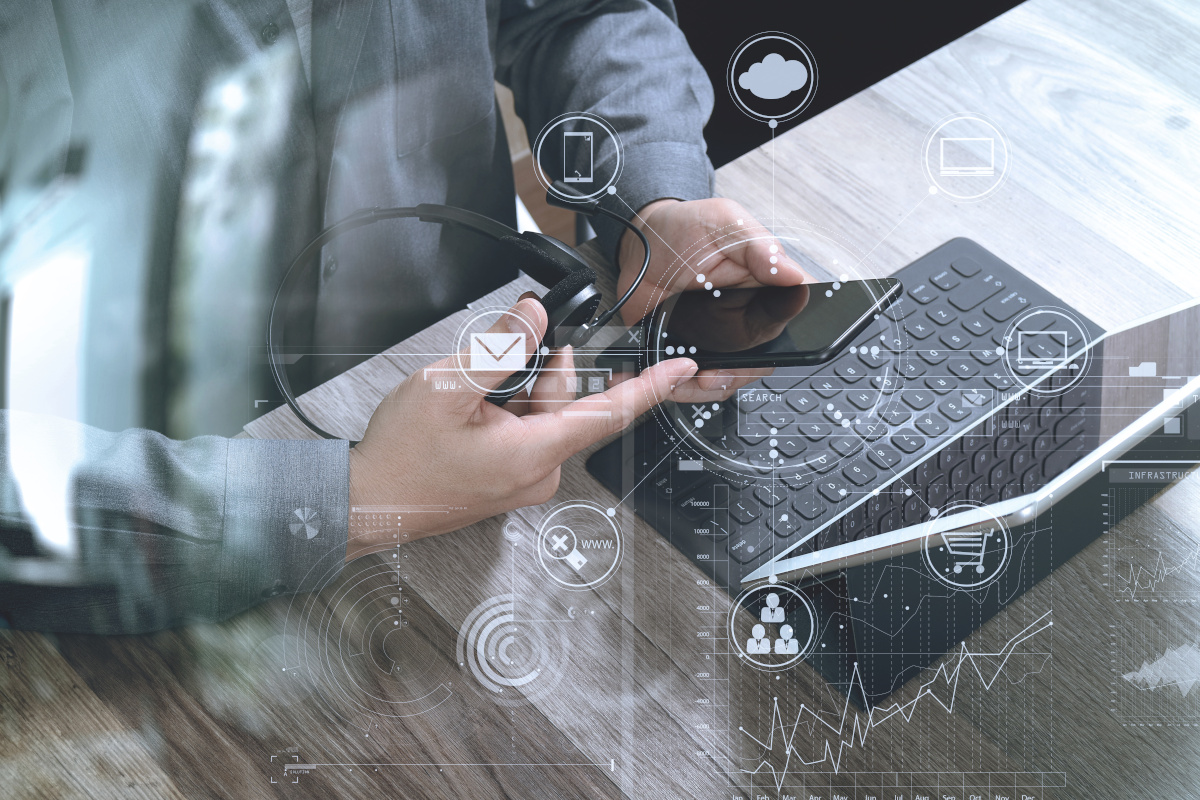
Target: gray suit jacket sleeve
x=628, y=62
x=137, y=532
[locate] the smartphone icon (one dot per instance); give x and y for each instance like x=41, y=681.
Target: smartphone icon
x=579, y=147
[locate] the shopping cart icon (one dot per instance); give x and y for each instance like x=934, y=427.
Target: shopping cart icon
x=967, y=547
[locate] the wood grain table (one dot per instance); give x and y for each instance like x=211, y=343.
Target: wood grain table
x=308, y=697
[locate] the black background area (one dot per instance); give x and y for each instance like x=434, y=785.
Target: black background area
x=856, y=44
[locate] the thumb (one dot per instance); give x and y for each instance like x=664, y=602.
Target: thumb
x=490, y=357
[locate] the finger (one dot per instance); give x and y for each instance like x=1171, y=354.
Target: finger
x=721, y=380
x=520, y=328
x=758, y=252
x=555, y=387
x=589, y=419
x=541, y=492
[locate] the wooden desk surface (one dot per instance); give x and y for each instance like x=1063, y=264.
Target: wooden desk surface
x=1098, y=99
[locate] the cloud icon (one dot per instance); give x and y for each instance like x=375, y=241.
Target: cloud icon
x=773, y=77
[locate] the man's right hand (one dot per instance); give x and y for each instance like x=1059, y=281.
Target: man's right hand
x=456, y=451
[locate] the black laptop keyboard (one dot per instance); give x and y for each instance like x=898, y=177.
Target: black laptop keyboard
x=811, y=445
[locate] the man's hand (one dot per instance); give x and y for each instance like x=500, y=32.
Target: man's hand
x=456, y=451
x=745, y=256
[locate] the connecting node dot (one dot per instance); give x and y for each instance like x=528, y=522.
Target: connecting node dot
x=933, y=190
x=700, y=278
x=612, y=512
x=774, y=270
x=708, y=284
x=612, y=190
x=774, y=249
x=828, y=293
x=773, y=124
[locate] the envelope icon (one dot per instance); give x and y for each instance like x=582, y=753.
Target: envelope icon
x=498, y=352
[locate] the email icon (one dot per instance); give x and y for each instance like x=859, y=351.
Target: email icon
x=497, y=352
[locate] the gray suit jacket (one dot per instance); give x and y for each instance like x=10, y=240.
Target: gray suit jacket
x=400, y=109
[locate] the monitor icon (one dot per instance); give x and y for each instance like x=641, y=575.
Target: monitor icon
x=1041, y=348
x=961, y=157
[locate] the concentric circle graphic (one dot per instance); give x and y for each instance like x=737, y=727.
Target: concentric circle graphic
x=966, y=156
x=479, y=351
x=580, y=151
x=782, y=626
x=517, y=660
x=579, y=544
x=1042, y=341
x=972, y=557
x=772, y=77
x=358, y=646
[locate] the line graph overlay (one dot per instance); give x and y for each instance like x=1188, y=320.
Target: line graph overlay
x=1149, y=557
x=833, y=736
x=1155, y=665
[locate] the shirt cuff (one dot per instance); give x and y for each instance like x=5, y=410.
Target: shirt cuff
x=652, y=171
x=287, y=507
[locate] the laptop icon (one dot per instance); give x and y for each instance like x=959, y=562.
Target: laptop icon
x=961, y=157
x=1041, y=348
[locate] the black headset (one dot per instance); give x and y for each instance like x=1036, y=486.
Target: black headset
x=570, y=304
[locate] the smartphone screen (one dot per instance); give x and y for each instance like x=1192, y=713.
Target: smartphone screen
x=769, y=326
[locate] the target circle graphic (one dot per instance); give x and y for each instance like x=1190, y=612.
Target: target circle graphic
x=516, y=659
x=356, y=644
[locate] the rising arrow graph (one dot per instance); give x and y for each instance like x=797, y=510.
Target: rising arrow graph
x=1178, y=667
x=839, y=739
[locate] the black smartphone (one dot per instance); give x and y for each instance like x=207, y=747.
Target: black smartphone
x=770, y=326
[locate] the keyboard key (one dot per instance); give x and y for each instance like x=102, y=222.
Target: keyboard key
x=883, y=456
x=982, y=461
x=966, y=266
x=931, y=425
x=782, y=382
x=933, y=357
x=895, y=414
x=785, y=525
x=859, y=473
x=908, y=442
x=871, y=430
x=937, y=494
x=697, y=504
x=752, y=437
x=917, y=399
x=832, y=489
x=912, y=369
x=952, y=410
x=919, y=328
x=815, y=430
x=825, y=387
x=790, y=446
x=972, y=293
x=876, y=360
x=897, y=310
x=809, y=506
x=986, y=356
x=923, y=293
x=796, y=479
x=954, y=340
x=945, y=280
x=915, y=510
x=845, y=445
x=1067, y=428
x=885, y=383
x=1021, y=460
x=1032, y=479
x=941, y=315
x=801, y=401
x=850, y=370
x=999, y=474
x=777, y=419
x=770, y=496
x=1000, y=383
x=837, y=412
x=750, y=544
x=854, y=525
x=976, y=325
x=862, y=399
x=960, y=476
x=744, y=510
x=940, y=385
x=889, y=522
x=962, y=367
x=1006, y=306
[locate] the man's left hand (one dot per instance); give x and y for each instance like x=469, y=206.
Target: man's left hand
x=735, y=251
